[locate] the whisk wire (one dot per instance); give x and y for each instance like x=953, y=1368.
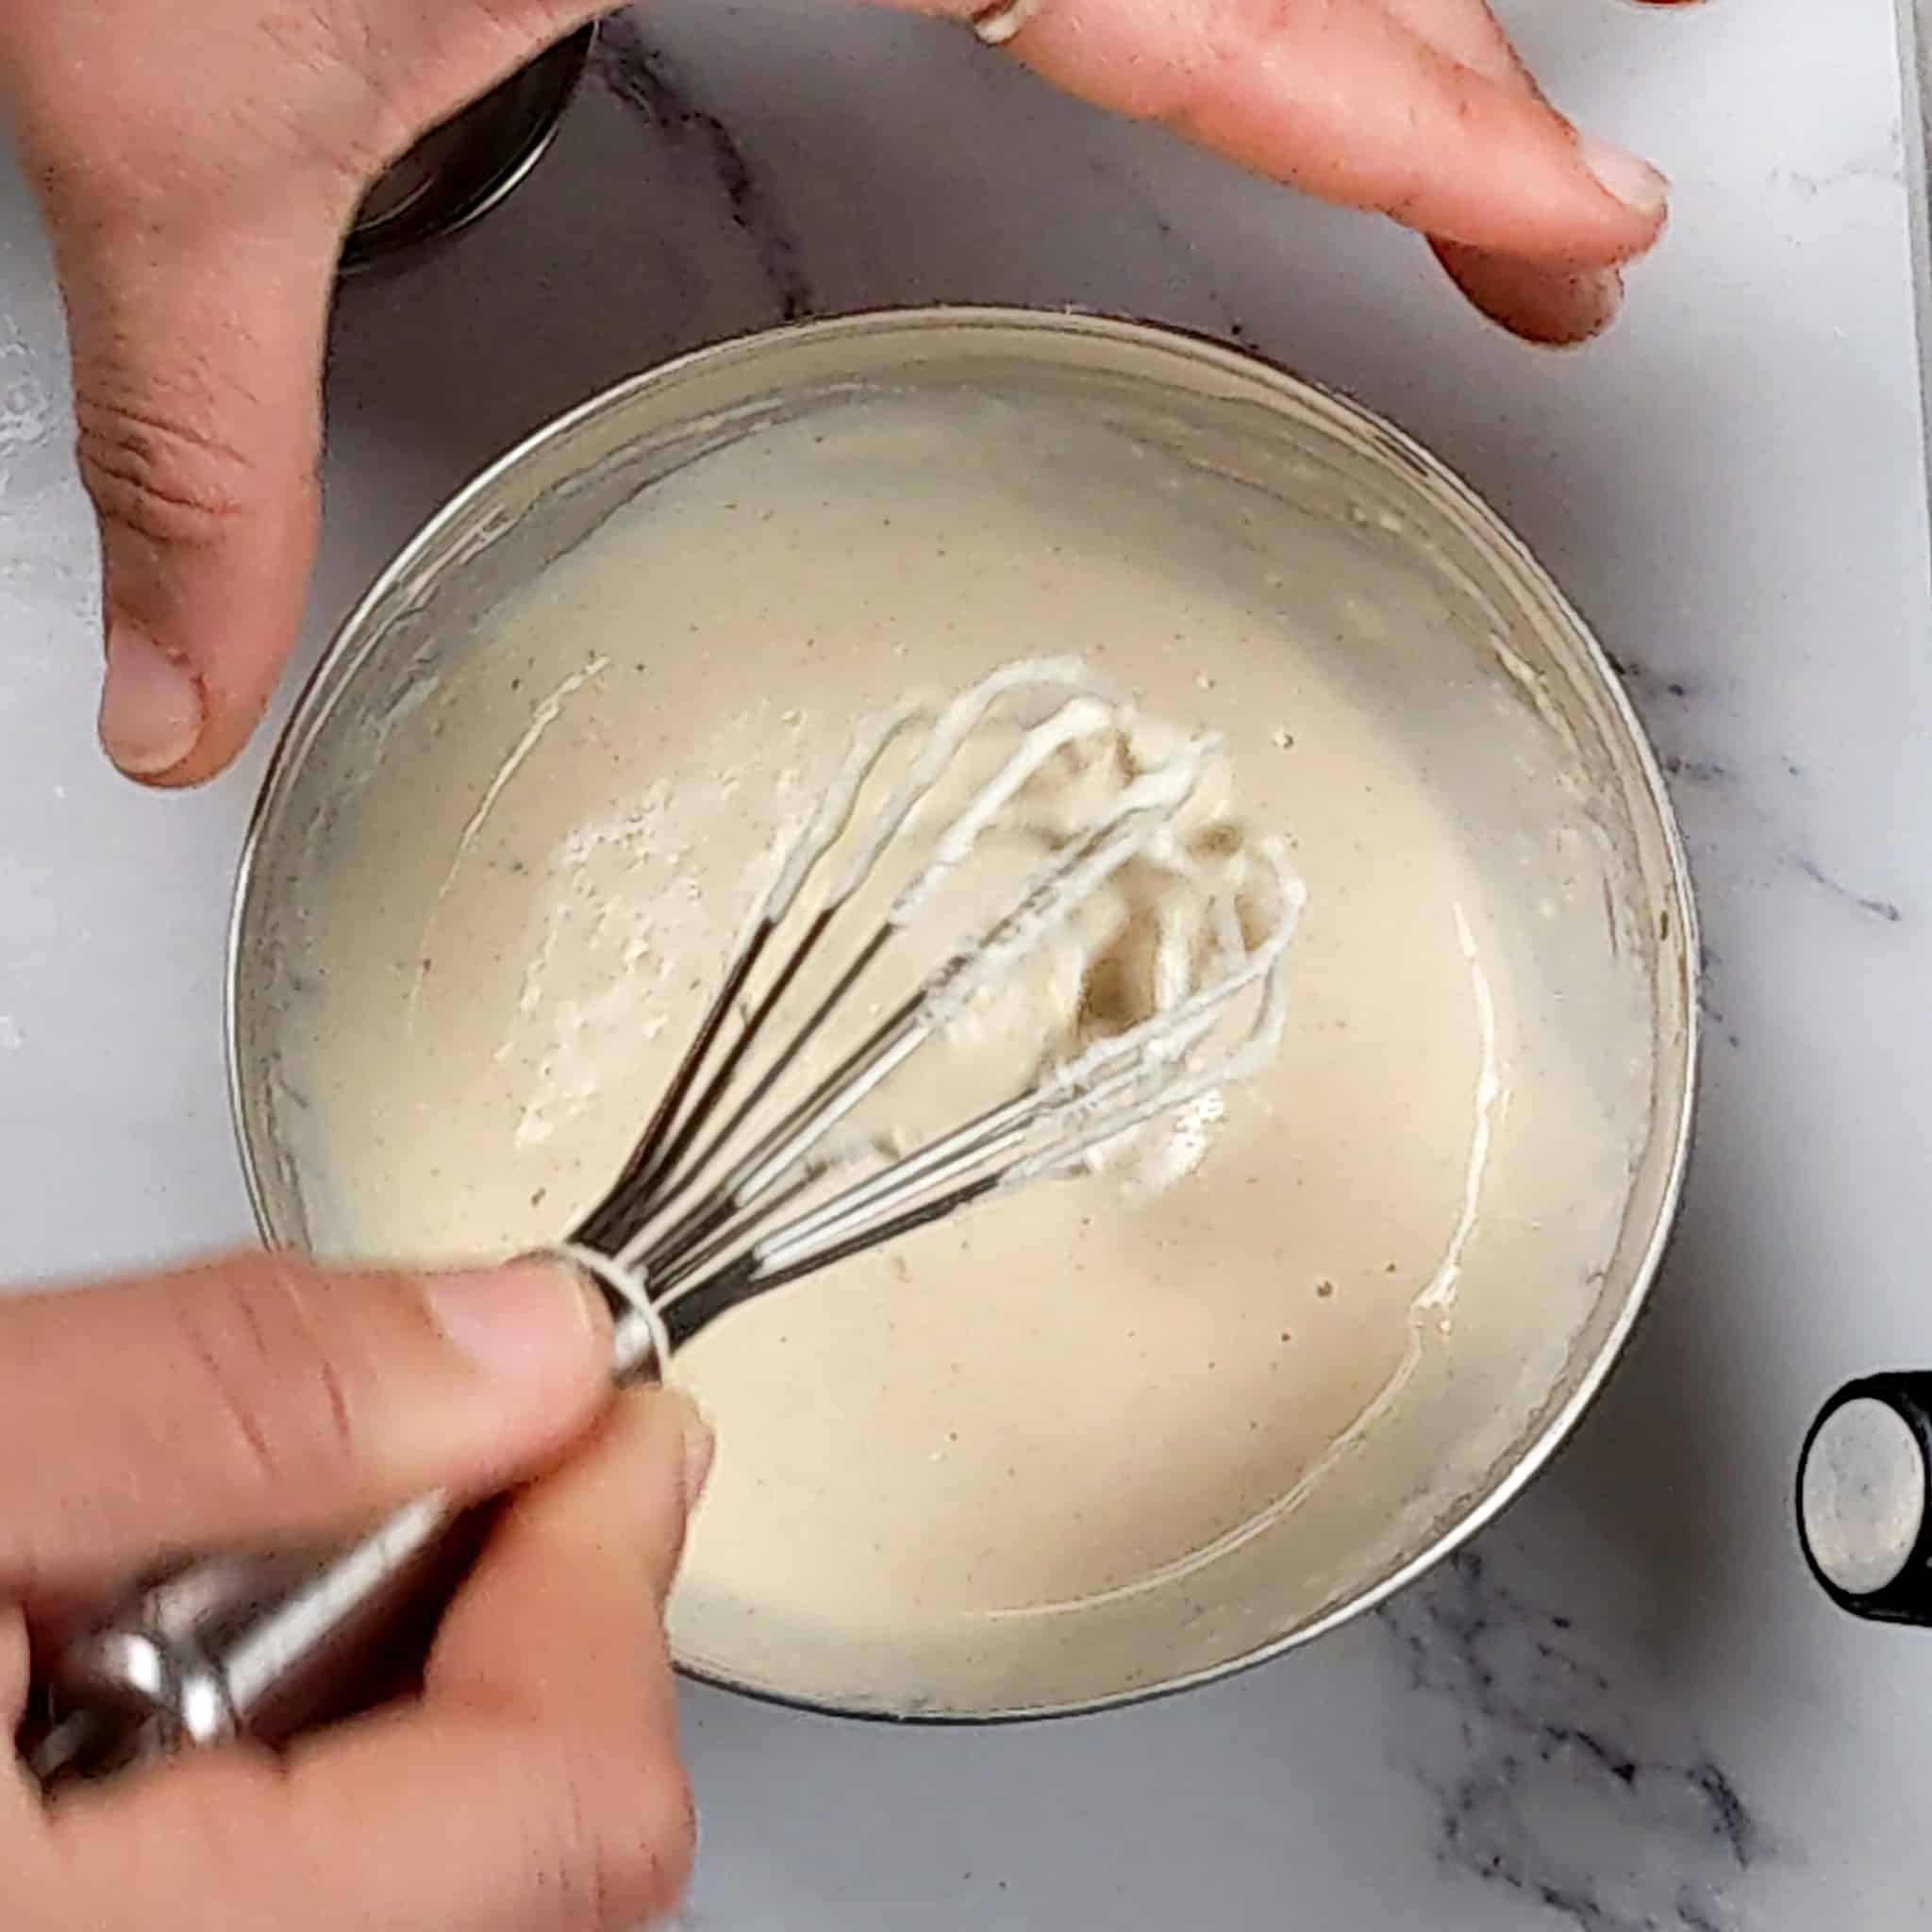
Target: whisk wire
x=703, y=1226
x=1048, y=900
x=606, y=1228
x=653, y=1171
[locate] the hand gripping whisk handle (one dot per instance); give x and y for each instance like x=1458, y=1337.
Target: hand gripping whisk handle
x=720, y=1200
x=263, y=1646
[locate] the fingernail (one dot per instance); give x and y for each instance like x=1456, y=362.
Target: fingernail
x=1624, y=176
x=150, y=705
x=700, y=1448
x=533, y=1321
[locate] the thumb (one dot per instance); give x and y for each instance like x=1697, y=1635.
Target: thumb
x=258, y=1398
x=197, y=355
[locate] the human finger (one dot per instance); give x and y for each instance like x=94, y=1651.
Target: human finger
x=535, y=1787
x=1556, y=304
x=260, y=1397
x=197, y=354
x=1347, y=102
x=197, y=181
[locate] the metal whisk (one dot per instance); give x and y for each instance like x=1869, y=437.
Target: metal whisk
x=734, y=1190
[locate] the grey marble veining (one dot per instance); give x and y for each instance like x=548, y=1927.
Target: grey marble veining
x=1551, y=1781
x=1626, y=1707
x=643, y=78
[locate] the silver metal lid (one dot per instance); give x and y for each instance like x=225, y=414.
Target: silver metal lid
x=1865, y=1497
x=462, y=170
x=1862, y=1495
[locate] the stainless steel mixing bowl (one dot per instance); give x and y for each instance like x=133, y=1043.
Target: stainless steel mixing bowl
x=1223, y=407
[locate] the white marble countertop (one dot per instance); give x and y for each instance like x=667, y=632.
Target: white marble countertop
x=1627, y=1708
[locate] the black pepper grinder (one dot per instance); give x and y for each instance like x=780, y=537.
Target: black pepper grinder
x=462, y=170
x=1865, y=1497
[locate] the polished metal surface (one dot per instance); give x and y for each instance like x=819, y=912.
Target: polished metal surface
x=262, y=1645
x=1915, y=135
x=546, y=496
x=460, y=171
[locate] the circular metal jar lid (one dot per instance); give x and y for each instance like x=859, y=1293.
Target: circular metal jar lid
x=462, y=169
x=1865, y=1498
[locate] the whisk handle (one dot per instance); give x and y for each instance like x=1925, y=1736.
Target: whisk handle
x=249, y=1645
x=265, y=1646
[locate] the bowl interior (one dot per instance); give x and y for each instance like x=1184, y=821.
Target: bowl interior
x=1510, y=664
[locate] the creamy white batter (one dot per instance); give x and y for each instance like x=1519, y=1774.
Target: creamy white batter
x=1105, y=1432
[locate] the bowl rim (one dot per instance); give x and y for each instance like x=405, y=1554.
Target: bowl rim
x=1680, y=949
